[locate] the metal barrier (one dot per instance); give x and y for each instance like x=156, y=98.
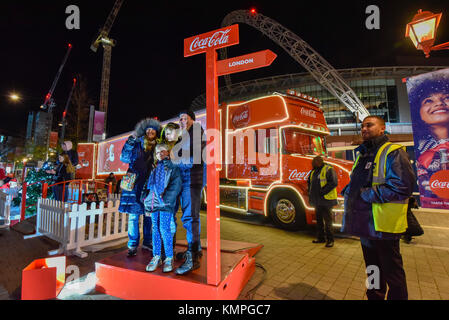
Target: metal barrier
x=23, y=205
x=75, y=190
x=76, y=226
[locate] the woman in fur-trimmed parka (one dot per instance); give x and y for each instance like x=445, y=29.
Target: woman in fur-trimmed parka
x=138, y=153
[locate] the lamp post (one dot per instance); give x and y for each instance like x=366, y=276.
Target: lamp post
x=14, y=97
x=422, y=30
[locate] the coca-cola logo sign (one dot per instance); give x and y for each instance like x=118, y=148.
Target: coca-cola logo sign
x=219, y=37
x=308, y=112
x=241, y=116
x=439, y=184
x=299, y=175
x=216, y=39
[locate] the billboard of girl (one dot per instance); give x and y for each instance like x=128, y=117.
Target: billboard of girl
x=429, y=102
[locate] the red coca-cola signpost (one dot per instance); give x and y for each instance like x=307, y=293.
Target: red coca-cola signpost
x=208, y=43
x=116, y=275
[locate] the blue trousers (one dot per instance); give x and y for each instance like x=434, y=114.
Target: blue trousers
x=190, y=200
x=133, y=231
x=162, y=231
x=58, y=190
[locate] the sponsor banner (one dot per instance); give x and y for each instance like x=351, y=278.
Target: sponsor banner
x=109, y=156
x=86, y=159
x=98, y=129
x=216, y=39
x=53, y=140
x=429, y=104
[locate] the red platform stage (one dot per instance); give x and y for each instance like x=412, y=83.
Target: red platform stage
x=126, y=278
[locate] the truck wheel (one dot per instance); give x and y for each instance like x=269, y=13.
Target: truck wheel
x=286, y=211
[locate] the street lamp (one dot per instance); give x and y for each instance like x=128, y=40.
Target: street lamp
x=422, y=30
x=14, y=97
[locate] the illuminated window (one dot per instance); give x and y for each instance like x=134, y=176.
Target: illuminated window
x=295, y=141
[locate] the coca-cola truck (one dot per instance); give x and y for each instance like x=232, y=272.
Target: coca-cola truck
x=267, y=147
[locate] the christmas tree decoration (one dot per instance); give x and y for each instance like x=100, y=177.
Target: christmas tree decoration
x=34, y=189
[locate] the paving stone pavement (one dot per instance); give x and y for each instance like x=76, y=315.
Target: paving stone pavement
x=289, y=266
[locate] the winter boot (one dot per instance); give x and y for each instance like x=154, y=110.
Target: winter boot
x=154, y=263
x=132, y=252
x=188, y=264
x=168, y=265
x=191, y=259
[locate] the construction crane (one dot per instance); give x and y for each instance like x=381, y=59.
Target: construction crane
x=48, y=102
x=64, y=114
x=107, y=43
x=303, y=53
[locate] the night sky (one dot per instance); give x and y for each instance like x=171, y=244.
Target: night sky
x=150, y=76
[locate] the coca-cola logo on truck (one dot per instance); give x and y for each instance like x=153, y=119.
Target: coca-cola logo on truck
x=439, y=184
x=308, y=112
x=299, y=175
x=241, y=117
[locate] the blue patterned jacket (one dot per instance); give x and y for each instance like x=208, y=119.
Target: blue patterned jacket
x=172, y=183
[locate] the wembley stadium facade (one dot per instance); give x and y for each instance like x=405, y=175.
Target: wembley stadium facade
x=382, y=90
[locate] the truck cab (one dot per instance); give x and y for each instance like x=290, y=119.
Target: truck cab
x=268, y=145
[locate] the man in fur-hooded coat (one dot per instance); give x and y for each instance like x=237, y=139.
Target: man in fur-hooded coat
x=138, y=152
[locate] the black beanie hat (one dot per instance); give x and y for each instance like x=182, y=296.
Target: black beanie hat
x=189, y=112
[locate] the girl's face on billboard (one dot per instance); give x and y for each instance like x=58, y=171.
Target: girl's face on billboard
x=435, y=108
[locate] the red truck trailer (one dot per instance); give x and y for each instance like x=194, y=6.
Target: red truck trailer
x=267, y=147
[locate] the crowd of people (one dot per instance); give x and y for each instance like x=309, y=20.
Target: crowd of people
x=159, y=180
x=157, y=183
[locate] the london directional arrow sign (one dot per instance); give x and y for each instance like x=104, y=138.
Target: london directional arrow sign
x=249, y=61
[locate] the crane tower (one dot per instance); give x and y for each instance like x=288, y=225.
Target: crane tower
x=107, y=43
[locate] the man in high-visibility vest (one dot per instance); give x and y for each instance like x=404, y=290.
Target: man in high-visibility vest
x=322, y=184
x=376, y=200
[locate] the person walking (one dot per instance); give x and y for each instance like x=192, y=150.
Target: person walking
x=376, y=201
x=138, y=153
x=322, y=186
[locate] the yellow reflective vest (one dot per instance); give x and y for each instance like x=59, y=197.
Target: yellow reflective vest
x=391, y=216
x=331, y=195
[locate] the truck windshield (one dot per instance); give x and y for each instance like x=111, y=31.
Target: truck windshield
x=295, y=141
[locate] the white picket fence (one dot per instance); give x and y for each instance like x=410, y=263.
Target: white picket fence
x=5, y=209
x=77, y=226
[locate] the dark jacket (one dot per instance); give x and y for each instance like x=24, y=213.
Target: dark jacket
x=72, y=154
x=140, y=162
x=359, y=194
x=316, y=192
x=189, y=151
x=61, y=174
x=166, y=201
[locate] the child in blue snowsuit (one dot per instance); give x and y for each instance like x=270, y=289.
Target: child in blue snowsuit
x=164, y=186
